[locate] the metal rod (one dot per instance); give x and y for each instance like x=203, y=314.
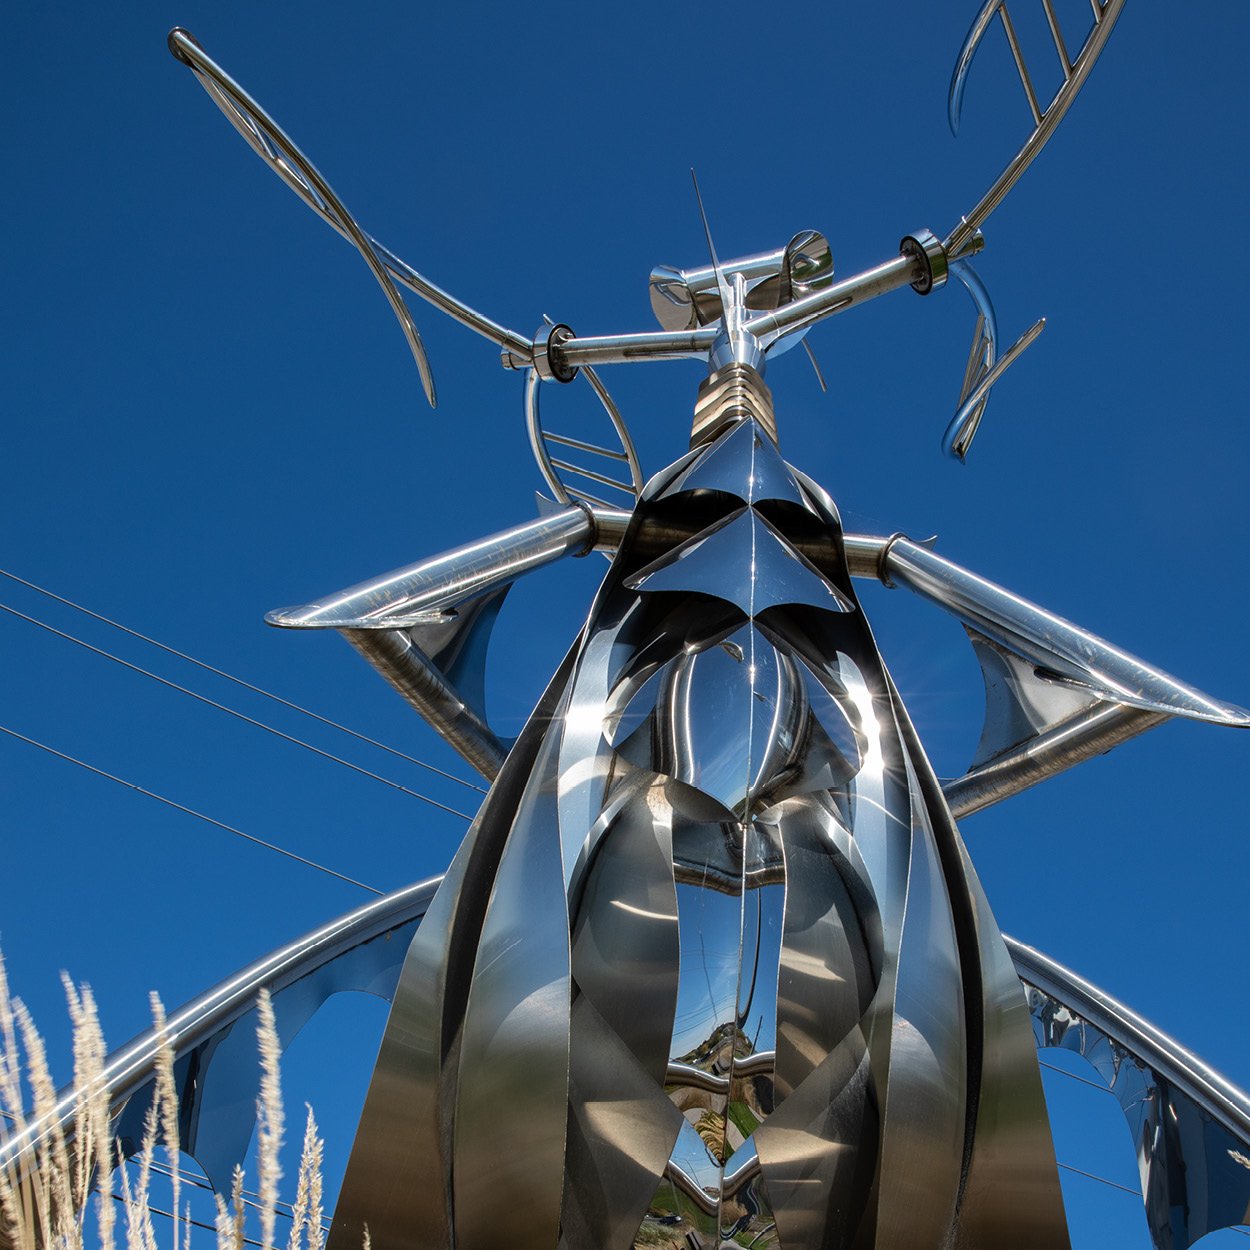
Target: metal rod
x=1093, y=732
x=858, y=289
x=1021, y=69
x=129, y=1069
x=447, y=579
x=1048, y=640
x=958, y=241
x=593, y=476
x=409, y=671
x=577, y=443
x=1057, y=35
x=616, y=349
x=1223, y=1101
x=593, y=500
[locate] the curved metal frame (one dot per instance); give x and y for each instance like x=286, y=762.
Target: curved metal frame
x=361, y=950
x=548, y=467
x=1046, y=120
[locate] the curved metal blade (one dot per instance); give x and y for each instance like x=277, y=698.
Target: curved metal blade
x=1044, y=120
x=984, y=367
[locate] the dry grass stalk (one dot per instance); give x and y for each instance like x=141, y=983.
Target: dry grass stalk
x=306, y=1214
x=92, y=1138
x=269, y=1118
x=165, y=1098
x=43, y=1203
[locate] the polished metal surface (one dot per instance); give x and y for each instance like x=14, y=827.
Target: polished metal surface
x=548, y=448
x=1190, y=1127
x=685, y=298
x=1075, y=72
x=426, y=627
x=1053, y=645
x=984, y=367
x=713, y=937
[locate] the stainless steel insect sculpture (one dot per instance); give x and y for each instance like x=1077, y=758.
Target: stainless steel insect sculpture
x=713, y=959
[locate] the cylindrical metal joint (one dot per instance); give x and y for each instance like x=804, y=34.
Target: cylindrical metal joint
x=548, y=360
x=926, y=246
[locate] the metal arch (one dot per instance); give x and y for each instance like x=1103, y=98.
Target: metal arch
x=1190, y=1126
x=541, y=441
x=216, y=1064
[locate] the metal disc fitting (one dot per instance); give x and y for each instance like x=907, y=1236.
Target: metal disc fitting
x=924, y=245
x=548, y=359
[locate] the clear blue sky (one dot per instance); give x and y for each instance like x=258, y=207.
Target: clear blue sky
x=209, y=412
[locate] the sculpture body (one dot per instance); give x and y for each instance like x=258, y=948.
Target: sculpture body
x=712, y=962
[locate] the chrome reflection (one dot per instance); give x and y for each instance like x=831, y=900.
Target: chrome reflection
x=714, y=963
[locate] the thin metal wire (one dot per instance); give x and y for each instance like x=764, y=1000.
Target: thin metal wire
x=565, y=441
x=247, y=1241
x=1102, y=1180
x=190, y=811
x=221, y=707
x=239, y=681
x=200, y=1181
x=1102, y=1089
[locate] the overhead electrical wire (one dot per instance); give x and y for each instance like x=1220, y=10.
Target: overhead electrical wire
x=238, y=681
x=221, y=707
x=249, y=1196
x=190, y=811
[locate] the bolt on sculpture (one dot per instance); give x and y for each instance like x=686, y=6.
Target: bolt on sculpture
x=713, y=959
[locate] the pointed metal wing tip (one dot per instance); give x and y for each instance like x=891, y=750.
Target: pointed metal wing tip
x=963, y=62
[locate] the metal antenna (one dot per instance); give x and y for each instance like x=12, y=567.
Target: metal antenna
x=722, y=282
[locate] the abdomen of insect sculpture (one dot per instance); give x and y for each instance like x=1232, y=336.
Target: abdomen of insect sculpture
x=712, y=965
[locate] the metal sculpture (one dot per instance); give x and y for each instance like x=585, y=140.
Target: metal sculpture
x=713, y=959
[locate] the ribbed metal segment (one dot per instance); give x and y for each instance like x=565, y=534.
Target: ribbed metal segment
x=732, y=394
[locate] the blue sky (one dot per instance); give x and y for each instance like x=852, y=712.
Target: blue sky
x=210, y=413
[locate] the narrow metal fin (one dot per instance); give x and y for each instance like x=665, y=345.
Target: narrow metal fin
x=984, y=367
x=811, y=355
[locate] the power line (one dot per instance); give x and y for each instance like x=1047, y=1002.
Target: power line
x=190, y=811
x=1050, y=1067
x=238, y=681
x=1102, y=1180
x=249, y=1196
x=221, y=707
x=186, y=1219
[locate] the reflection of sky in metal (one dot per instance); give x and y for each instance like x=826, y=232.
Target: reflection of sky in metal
x=710, y=923
x=763, y=911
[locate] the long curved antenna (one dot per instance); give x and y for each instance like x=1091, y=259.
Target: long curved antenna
x=271, y=143
x=1045, y=120
x=280, y=153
